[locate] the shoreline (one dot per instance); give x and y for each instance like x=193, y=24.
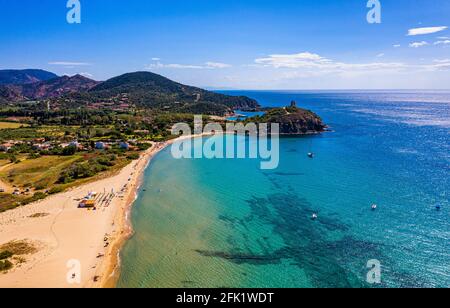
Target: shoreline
x=66, y=233
x=113, y=263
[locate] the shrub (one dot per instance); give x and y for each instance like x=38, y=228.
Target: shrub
x=144, y=146
x=34, y=156
x=36, y=197
x=85, y=170
x=5, y=255
x=13, y=159
x=133, y=156
x=55, y=190
x=69, y=151
x=5, y=265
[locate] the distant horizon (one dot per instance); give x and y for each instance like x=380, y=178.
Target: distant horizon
x=243, y=89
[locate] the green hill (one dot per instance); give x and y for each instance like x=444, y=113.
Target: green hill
x=292, y=120
x=147, y=89
x=24, y=76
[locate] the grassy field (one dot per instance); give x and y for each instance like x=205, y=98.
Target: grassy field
x=38, y=173
x=11, y=125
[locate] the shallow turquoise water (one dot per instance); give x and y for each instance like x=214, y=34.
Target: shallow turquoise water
x=226, y=223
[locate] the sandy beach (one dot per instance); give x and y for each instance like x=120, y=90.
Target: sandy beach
x=68, y=237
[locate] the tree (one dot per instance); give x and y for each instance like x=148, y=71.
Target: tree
x=69, y=151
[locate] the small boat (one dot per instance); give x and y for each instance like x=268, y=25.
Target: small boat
x=374, y=207
x=314, y=217
x=311, y=155
x=438, y=207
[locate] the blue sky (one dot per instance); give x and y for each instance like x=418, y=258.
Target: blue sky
x=245, y=44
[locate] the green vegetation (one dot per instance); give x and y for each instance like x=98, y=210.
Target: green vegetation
x=38, y=173
x=19, y=248
x=11, y=125
x=5, y=266
x=292, y=120
x=133, y=156
x=12, y=250
x=145, y=89
x=86, y=168
x=39, y=215
x=5, y=255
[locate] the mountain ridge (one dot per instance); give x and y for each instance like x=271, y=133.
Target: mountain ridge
x=26, y=76
x=138, y=89
x=51, y=88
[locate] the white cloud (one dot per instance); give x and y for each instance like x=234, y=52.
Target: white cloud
x=380, y=55
x=444, y=42
x=427, y=30
x=439, y=65
x=443, y=38
x=304, y=59
x=207, y=65
x=441, y=61
x=217, y=65
x=312, y=61
x=309, y=65
x=397, y=46
x=156, y=59
x=418, y=44
x=66, y=63
x=176, y=66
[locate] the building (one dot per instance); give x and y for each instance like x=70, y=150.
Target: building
x=100, y=145
x=5, y=147
x=42, y=146
x=124, y=146
x=76, y=144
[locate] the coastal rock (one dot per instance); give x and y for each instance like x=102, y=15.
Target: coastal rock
x=293, y=120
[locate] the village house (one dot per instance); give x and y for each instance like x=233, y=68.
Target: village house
x=42, y=146
x=100, y=145
x=5, y=147
x=124, y=146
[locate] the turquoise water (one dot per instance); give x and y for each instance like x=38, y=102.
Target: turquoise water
x=226, y=223
x=242, y=115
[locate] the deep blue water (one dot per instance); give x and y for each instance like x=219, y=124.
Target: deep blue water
x=212, y=223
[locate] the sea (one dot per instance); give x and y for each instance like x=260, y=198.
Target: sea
x=228, y=223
